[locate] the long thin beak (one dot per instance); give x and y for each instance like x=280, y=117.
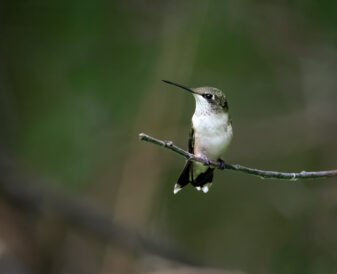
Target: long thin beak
x=178, y=85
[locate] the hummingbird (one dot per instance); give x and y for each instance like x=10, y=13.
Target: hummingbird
x=210, y=135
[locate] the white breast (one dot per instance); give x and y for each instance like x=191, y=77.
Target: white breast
x=212, y=133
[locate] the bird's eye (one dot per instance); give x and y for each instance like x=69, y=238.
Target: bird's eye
x=207, y=96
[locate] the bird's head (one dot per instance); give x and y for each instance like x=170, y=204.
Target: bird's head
x=208, y=99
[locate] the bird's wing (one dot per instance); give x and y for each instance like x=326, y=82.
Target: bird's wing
x=187, y=173
x=191, y=141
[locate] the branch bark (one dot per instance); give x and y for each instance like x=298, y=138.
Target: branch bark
x=293, y=176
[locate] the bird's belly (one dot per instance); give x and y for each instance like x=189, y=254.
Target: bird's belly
x=212, y=146
x=211, y=138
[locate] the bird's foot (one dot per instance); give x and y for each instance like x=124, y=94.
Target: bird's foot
x=222, y=164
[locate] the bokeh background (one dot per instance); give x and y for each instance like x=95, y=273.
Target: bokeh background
x=79, y=80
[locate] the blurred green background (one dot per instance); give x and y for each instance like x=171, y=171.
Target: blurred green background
x=80, y=80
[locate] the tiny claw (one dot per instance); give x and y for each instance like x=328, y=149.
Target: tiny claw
x=222, y=164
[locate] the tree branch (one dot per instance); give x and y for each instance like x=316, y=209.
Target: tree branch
x=293, y=176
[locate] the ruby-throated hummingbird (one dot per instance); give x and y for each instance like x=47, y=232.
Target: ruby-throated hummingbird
x=210, y=135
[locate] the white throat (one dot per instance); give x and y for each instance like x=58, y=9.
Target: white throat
x=202, y=107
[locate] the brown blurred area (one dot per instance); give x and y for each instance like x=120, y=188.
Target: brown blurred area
x=79, y=80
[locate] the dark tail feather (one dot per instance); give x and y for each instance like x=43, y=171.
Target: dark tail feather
x=184, y=178
x=204, y=180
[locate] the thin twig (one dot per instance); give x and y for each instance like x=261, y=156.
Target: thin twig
x=293, y=176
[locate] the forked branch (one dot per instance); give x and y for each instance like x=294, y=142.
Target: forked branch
x=293, y=176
